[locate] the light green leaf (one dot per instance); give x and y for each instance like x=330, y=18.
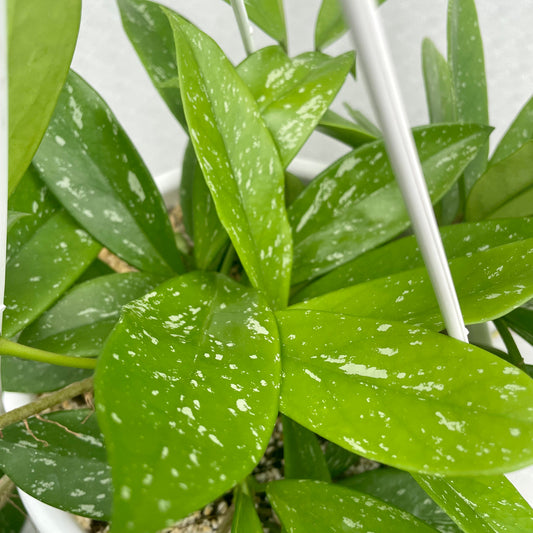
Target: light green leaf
x=355, y=204
x=484, y=504
x=405, y=396
x=198, y=365
x=13, y=217
x=306, y=506
x=41, y=41
x=398, y=488
x=245, y=519
x=303, y=456
x=343, y=130
x=150, y=34
x=506, y=189
x=293, y=94
x=403, y=254
x=489, y=285
x=61, y=463
x=109, y=192
x=362, y=120
x=238, y=158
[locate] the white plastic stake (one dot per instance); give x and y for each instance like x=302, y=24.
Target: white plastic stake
x=374, y=57
x=4, y=140
x=245, y=28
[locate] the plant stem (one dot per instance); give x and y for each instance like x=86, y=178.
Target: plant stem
x=46, y=402
x=515, y=357
x=34, y=354
x=227, y=263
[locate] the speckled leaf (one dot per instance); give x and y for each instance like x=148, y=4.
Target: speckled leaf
x=506, y=189
x=108, y=191
x=403, y=254
x=238, y=158
x=13, y=216
x=199, y=368
x=293, y=94
x=306, y=506
x=355, y=204
x=77, y=325
x=489, y=284
x=43, y=268
x=398, y=488
x=148, y=30
x=405, y=396
x=245, y=519
x=343, y=130
x=63, y=463
x=467, y=65
x=41, y=41
x=302, y=454
x=520, y=131
x=521, y=321
x=485, y=504
x=269, y=16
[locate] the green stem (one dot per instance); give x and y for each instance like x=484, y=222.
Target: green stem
x=515, y=357
x=227, y=263
x=34, y=354
x=46, y=402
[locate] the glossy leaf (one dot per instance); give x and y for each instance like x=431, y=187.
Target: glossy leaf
x=245, y=519
x=355, y=204
x=339, y=459
x=293, y=94
x=489, y=284
x=393, y=393
x=150, y=34
x=403, y=254
x=483, y=504
x=362, y=120
x=41, y=41
x=398, y=488
x=109, y=192
x=293, y=187
x=520, y=131
x=96, y=269
x=238, y=158
x=198, y=363
x=343, y=130
x=306, y=506
x=269, y=16
x=506, y=189
x=43, y=268
x=62, y=462
x=302, y=454
x=77, y=325
x=188, y=170
x=467, y=64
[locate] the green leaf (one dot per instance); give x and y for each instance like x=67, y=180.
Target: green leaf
x=96, y=269
x=188, y=170
x=520, y=131
x=269, y=16
x=484, y=504
x=398, y=488
x=403, y=254
x=238, y=158
x=198, y=365
x=339, y=459
x=405, y=396
x=467, y=64
x=41, y=41
x=12, y=518
x=43, y=268
x=13, y=217
x=245, y=519
x=293, y=187
x=521, y=321
x=293, y=94
x=363, y=121
x=150, y=34
x=62, y=462
x=506, y=189
x=306, y=506
x=343, y=130
x=489, y=284
x=109, y=192
x=355, y=204
x=303, y=456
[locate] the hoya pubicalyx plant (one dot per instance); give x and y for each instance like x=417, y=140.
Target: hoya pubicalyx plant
x=305, y=299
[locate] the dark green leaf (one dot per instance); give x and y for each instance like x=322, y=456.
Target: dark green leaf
x=62, y=462
x=41, y=41
x=293, y=94
x=521, y=321
x=513, y=354
x=405, y=396
x=109, y=192
x=96, y=269
x=303, y=456
x=506, y=189
x=343, y=130
x=13, y=216
x=238, y=158
x=398, y=488
x=198, y=365
x=355, y=204
x=188, y=170
x=293, y=187
x=484, y=504
x=150, y=34
x=306, y=506
x=339, y=459
x=12, y=519
x=245, y=519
